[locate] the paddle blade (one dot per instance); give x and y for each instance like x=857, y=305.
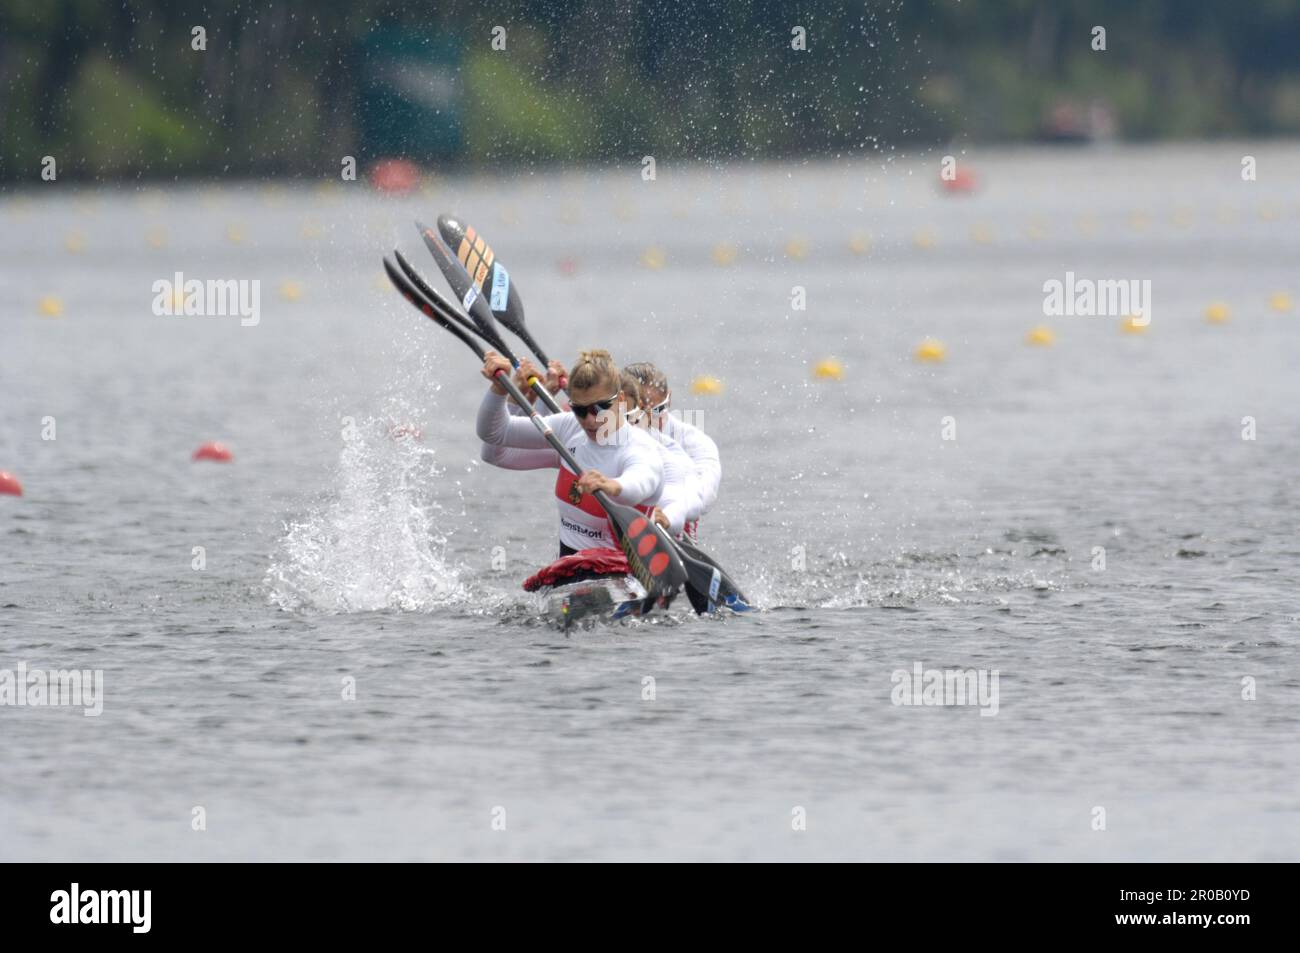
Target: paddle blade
x=496, y=285
x=469, y=248
x=649, y=550
x=708, y=587
x=493, y=282
x=431, y=309
x=462, y=284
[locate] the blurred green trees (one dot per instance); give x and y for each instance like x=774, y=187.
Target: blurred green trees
x=114, y=89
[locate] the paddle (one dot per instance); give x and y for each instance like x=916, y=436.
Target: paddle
x=486, y=331
x=424, y=289
x=708, y=585
x=502, y=294
x=474, y=303
x=650, y=552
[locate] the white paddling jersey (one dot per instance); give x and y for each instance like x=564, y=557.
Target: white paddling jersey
x=632, y=458
x=680, y=501
x=703, y=452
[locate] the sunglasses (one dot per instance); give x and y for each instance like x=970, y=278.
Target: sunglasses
x=659, y=408
x=582, y=410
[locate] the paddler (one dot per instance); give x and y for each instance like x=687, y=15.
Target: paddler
x=679, y=506
x=698, y=445
x=623, y=461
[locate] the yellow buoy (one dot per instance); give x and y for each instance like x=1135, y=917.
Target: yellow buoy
x=75, y=243
x=156, y=238
x=178, y=301
x=923, y=240
x=312, y=230
x=930, y=350
x=1268, y=213
x=1042, y=335
x=290, y=291
x=1139, y=221
x=50, y=306
x=1035, y=231
x=1281, y=301
x=1087, y=225
x=653, y=257
x=1217, y=313
x=234, y=234
x=829, y=369
x=796, y=248
x=724, y=253
x=706, y=385
x=981, y=235
x=1134, y=325
x=860, y=243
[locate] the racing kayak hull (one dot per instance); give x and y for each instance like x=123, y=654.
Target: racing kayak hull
x=602, y=599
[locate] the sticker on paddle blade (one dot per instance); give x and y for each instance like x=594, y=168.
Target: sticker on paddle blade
x=500, y=287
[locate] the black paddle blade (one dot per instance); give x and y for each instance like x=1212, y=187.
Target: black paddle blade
x=480, y=264
x=413, y=295
x=497, y=286
x=708, y=586
x=434, y=296
x=650, y=552
x=464, y=288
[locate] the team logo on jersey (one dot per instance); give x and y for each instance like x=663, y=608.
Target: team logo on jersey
x=575, y=495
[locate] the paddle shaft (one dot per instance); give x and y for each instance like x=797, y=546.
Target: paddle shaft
x=427, y=306
x=452, y=312
x=453, y=233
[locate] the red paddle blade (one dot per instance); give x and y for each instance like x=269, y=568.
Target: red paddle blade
x=649, y=551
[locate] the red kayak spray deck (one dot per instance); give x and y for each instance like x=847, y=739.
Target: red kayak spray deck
x=584, y=564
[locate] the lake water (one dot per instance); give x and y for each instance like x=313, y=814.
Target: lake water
x=1099, y=531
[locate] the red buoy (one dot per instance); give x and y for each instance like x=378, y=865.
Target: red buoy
x=9, y=484
x=963, y=180
x=213, y=451
x=395, y=176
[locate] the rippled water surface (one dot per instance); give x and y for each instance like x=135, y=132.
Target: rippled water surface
x=338, y=548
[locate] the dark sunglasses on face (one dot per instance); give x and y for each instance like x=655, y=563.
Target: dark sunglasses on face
x=582, y=410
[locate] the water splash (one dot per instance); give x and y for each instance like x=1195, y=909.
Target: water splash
x=374, y=543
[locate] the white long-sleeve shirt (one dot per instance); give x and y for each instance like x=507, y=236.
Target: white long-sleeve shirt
x=632, y=458
x=681, y=497
x=703, y=452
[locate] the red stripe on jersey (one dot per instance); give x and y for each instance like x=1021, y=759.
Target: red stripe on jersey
x=566, y=489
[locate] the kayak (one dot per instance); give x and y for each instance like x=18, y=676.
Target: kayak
x=598, y=584
x=603, y=599
x=592, y=584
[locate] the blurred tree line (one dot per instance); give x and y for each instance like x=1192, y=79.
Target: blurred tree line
x=113, y=88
